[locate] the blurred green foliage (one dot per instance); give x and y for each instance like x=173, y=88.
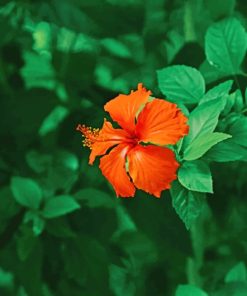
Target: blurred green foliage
x=62, y=230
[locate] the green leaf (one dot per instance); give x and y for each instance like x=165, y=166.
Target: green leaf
x=188, y=290
x=25, y=243
x=38, y=222
x=181, y=83
x=26, y=192
x=239, y=131
x=226, y=45
x=116, y=47
x=95, y=198
x=209, y=72
x=119, y=281
x=59, y=206
x=187, y=204
x=227, y=151
x=203, y=119
x=237, y=273
x=45, y=77
x=196, y=176
x=52, y=121
x=217, y=92
x=202, y=144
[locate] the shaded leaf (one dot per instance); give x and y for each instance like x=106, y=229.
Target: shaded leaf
x=189, y=290
x=26, y=192
x=59, y=206
x=95, y=198
x=225, y=151
x=237, y=273
x=187, y=204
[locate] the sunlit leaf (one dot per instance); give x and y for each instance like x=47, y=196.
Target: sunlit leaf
x=196, y=176
x=226, y=45
x=181, y=83
x=202, y=144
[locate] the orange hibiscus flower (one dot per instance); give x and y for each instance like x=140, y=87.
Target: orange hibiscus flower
x=137, y=158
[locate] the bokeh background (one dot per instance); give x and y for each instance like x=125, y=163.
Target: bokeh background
x=60, y=62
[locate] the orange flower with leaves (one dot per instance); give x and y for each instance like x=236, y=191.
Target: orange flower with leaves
x=138, y=158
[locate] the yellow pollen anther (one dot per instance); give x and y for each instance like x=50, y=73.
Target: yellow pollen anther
x=90, y=135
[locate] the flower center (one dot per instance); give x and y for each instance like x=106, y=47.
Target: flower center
x=90, y=135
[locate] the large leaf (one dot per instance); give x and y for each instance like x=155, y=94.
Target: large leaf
x=226, y=45
x=181, y=84
x=59, y=206
x=187, y=204
x=227, y=151
x=202, y=144
x=196, y=176
x=203, y=119
x=26, y=192
x=189, y=290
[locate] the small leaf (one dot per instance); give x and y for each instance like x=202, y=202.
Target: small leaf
x=187, y=204
x=95, y=198
x=116, y=47
x=59, y=206
x=26, y=192
x=38, y=222
x=237, y=273
x=196, y=176
x=217, y=92
x=203, y=119
x=239, y=131
x=181, y=83
x=226, y=45
x=119, y=281
x=202, y=144
x=188, y=290
x=25, y=243
x=52, y=121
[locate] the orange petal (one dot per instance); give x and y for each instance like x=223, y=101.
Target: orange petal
x=161, y=122
x=113, y=168
x=105, y=139
x=152, y=168
x=123, y=108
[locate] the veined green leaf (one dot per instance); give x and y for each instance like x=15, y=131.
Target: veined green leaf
x=202, y=144
x=226, y=45
x=227, y=150
x=187, y=204
x=181, y=83
x=26, y=192
x=196, y=176
x=217, y=92
x=59, y=206
x=203, y=119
